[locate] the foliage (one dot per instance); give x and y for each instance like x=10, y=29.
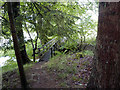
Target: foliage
x=59, y=53
x=88, y=52
x=70, y=44
x=29, y=50
x=46, y=20
x=79, y=55
x=51, y=19
x=83, y=54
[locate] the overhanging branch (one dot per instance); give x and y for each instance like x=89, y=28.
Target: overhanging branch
x=4, y=18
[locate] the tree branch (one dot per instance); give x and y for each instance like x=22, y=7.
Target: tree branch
x=29, y=35
x=37, y=10
x=4, y=18
x=36, y=40
x=43, y=6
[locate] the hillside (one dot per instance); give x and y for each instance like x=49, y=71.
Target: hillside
x=46, y=75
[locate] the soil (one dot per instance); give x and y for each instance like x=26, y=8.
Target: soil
x=39, y=77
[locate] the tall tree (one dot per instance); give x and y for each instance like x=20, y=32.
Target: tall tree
x=16, y=46
x=18, y=24
x=106, y=70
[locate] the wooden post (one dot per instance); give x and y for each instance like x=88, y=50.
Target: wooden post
x=54, y=49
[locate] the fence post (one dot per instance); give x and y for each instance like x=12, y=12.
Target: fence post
x=51, y=52
x=34, y=54
x=54, y=49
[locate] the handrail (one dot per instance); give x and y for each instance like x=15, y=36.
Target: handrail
x=48, y=45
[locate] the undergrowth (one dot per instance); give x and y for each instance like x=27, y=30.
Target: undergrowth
x=68, y=66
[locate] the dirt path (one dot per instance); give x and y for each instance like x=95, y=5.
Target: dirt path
x=40, y=78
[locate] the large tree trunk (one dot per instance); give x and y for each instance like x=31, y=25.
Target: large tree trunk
x=106, y=70
x=16, y=47
x=18, y=23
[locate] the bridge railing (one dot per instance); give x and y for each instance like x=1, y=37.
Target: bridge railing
x=42, y=50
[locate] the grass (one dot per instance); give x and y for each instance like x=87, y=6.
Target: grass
x=63, y=84
x=67, y=66
x=60, y=65
x=13, y=65
x=62, y=75
x=9, y=67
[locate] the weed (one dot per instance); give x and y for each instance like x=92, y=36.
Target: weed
x=62, y=75
x=74, y=78
x=88, y=52
x=79, y=55
x=63, y=84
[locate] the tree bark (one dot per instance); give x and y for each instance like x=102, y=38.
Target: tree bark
x=16, y=47
x=106, y=70
x=20, y=36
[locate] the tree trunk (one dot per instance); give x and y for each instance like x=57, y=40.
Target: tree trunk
x=20, y=36
x=106, y=70
x=16, y=47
